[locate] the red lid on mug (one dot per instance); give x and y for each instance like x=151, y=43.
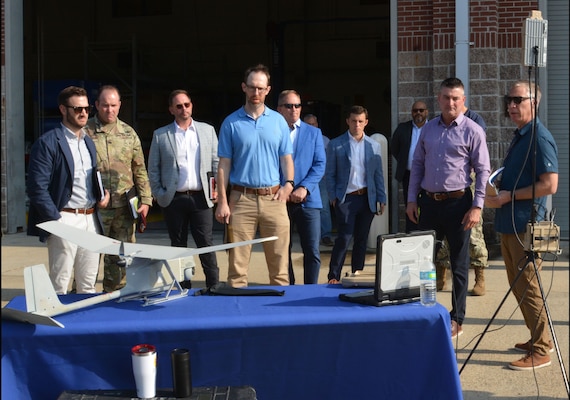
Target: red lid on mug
x=143, y=350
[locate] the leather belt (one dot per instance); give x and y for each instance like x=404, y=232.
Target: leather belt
x=358, y=192
x=257, y=191
x=190, y=192
x=86, y=211
x=440, y=196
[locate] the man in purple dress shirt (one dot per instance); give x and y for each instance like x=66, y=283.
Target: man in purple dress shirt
x=449, y=147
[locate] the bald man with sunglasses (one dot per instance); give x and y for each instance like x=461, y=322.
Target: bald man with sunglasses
x=183, y=157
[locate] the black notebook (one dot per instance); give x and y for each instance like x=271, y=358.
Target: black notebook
x=397, y=277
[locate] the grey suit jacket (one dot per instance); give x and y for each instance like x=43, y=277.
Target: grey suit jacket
x=163, y=168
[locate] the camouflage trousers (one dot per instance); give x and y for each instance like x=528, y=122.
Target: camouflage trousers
x=477, y=249
x=118, y=224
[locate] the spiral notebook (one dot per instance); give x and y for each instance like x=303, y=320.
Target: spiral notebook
x=397, y=277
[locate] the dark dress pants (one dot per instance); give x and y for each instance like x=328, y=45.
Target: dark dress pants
x=445, y=218
x=308, y=223
x=191, y=211
x=353, y=221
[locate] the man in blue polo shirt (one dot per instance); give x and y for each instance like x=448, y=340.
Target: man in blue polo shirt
x=254, y=145
x=514, y=204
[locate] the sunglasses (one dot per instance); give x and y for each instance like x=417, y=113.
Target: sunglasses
x=183, y=105
x=254, y=88
x=420, y=110
x=290, y=106
x=78, y=109
x=516, y=99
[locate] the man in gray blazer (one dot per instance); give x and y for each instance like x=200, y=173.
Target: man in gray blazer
x=183, y=157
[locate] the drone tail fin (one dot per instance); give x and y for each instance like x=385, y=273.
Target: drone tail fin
x=40, y=293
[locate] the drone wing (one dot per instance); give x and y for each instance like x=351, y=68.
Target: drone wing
x=105, y=245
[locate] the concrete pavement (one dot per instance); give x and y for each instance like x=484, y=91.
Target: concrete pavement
x=485, y=376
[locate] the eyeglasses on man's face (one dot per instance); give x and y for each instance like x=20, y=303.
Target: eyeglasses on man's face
x=290, y=106
x=183, y=105
x=78, y=110
x=256, y=89
x=418, y=110
x=516, y=99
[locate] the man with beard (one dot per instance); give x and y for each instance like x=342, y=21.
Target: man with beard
x=62, y=186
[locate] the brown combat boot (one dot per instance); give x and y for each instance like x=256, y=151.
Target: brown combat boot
x=440, y=274
x=479, y=288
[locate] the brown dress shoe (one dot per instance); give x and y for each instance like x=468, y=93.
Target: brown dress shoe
x=527, y=346
x=531, y=361
x=456, y=329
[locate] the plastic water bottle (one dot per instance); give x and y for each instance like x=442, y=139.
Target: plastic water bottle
x=428, y=286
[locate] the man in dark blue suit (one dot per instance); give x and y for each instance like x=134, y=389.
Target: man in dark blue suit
x=304, y=202
x=355, y=184
x=403, y=144
x=62, y=186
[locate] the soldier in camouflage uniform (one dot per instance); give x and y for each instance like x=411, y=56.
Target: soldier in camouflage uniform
x=477, y=252
x=120, y=160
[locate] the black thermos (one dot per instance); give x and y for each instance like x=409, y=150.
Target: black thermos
x=181, y=373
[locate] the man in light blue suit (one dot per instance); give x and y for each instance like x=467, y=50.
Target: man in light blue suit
x=304, y=202
x=183, y=156
x=355, y=184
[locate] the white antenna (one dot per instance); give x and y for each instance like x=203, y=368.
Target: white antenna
x=535, y=37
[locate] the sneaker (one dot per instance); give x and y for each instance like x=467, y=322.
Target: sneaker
x=327, y=241
x=530, y=361
x=456, y=329
x=526, y=347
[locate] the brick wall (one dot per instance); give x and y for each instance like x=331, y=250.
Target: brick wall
x=426, y=56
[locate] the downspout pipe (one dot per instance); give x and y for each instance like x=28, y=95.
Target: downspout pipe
x=462, y=44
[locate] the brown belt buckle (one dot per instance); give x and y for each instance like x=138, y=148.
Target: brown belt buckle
x=439, y=196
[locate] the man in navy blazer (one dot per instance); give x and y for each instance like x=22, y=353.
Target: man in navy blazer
x=304, y=202
x=183, y=156
x=355, y=184
x=403, y=144
x=62, y=186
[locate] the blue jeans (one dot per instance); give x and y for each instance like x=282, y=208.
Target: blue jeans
x=307, y=221
x=326, y=222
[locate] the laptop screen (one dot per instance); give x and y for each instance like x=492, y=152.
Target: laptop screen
x=398, y=258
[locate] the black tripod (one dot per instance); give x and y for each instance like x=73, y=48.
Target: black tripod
x=530, y=260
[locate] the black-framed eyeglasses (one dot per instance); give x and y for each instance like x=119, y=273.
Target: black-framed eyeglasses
x=418, y=110
x=78, y=109
x=290, y=106
x=516, y=99
x=255, y=88
x=183, y=105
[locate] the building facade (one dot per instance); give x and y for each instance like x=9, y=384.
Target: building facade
x=383, y=54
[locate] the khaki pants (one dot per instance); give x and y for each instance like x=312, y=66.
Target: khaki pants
x=248, y=213
x=526, y=290
x=67, y=259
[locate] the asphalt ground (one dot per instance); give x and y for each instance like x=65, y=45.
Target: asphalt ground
x=484, y=376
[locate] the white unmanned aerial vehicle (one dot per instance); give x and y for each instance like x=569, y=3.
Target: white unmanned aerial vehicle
x=149, y=273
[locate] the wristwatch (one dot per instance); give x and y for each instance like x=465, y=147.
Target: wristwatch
x=291, y=182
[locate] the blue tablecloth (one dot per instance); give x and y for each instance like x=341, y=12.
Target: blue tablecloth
x=307, y=344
